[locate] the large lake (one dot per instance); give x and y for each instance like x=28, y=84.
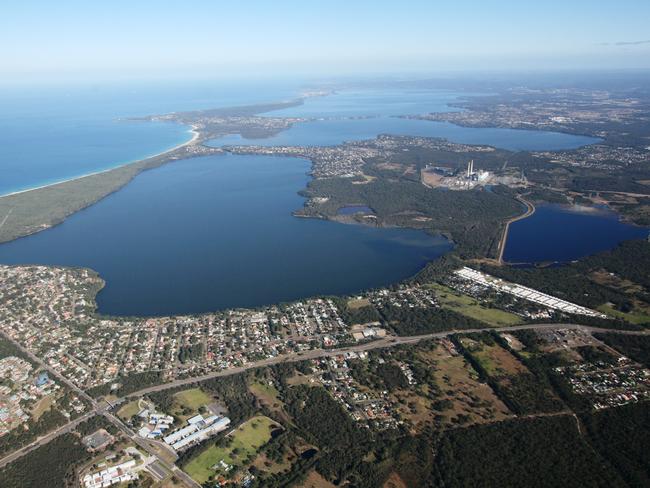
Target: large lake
x=357, y=115
x=333, y=132
x=561, y=234
x=217, y=232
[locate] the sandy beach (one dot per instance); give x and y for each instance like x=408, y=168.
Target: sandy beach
x=193, y=130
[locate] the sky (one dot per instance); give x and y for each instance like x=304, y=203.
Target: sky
x=142, y=38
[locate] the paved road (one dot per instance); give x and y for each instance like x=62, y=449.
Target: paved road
x=64, y=429
x=102, y=409
x=379, y=344
x=97, y=409
x=530, y=210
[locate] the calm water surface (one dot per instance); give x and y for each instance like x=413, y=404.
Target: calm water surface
x=59, y=132
x=372, y=102
x=378, y=110
x=62, y=132
x=217, y=232
x=354, y=209
x=333, y=132
x=558, y=233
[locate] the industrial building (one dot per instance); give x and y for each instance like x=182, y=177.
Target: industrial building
x=157, y=425
x=111, y=476
x=526, y=293
x=475, y=176
x=197, y=430
x=436, y=176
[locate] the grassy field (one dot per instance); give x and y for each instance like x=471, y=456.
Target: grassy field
x=42, y=406
x=496, y=360
x=194, y=398
x=128, y=410
x=267, y=395
x=634, y=317
x=470, y=307
x=412, y=406
x=355, y=304
x=459, y=384
x=610, y=280
x=188, y=402
x=315, y=480
x=265, y=391
x=246, y=439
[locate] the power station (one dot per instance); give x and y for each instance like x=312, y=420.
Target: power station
x=437, y=176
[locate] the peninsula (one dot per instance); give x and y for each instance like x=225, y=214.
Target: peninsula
x=29, y=211
x=403, y=179
x=468, y=347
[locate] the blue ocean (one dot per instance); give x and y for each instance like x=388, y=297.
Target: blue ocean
x=56, y=133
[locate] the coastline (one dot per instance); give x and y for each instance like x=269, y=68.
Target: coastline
x=193, y=129
x=28, y=211
x=195, y=136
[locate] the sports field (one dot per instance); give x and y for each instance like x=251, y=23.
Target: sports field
x=246, y=440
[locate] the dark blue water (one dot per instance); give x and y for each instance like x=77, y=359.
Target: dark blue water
x=217, y=232
x=556, y=233
x=49, y=134
x=333, y=132
x=353, y=209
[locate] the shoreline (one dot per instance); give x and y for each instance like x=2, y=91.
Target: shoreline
x=530, y=210
x=32, y=210
x=194, y=130
x=195, y=136
x=469, y=125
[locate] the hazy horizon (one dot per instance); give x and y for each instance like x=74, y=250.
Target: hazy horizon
x=43, y=41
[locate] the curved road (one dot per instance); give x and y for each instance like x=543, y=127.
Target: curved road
x=530, y=210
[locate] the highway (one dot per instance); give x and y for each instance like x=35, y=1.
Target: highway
x=378, y=344
x=97, y=409
x=312, y=354
x=64, y=429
